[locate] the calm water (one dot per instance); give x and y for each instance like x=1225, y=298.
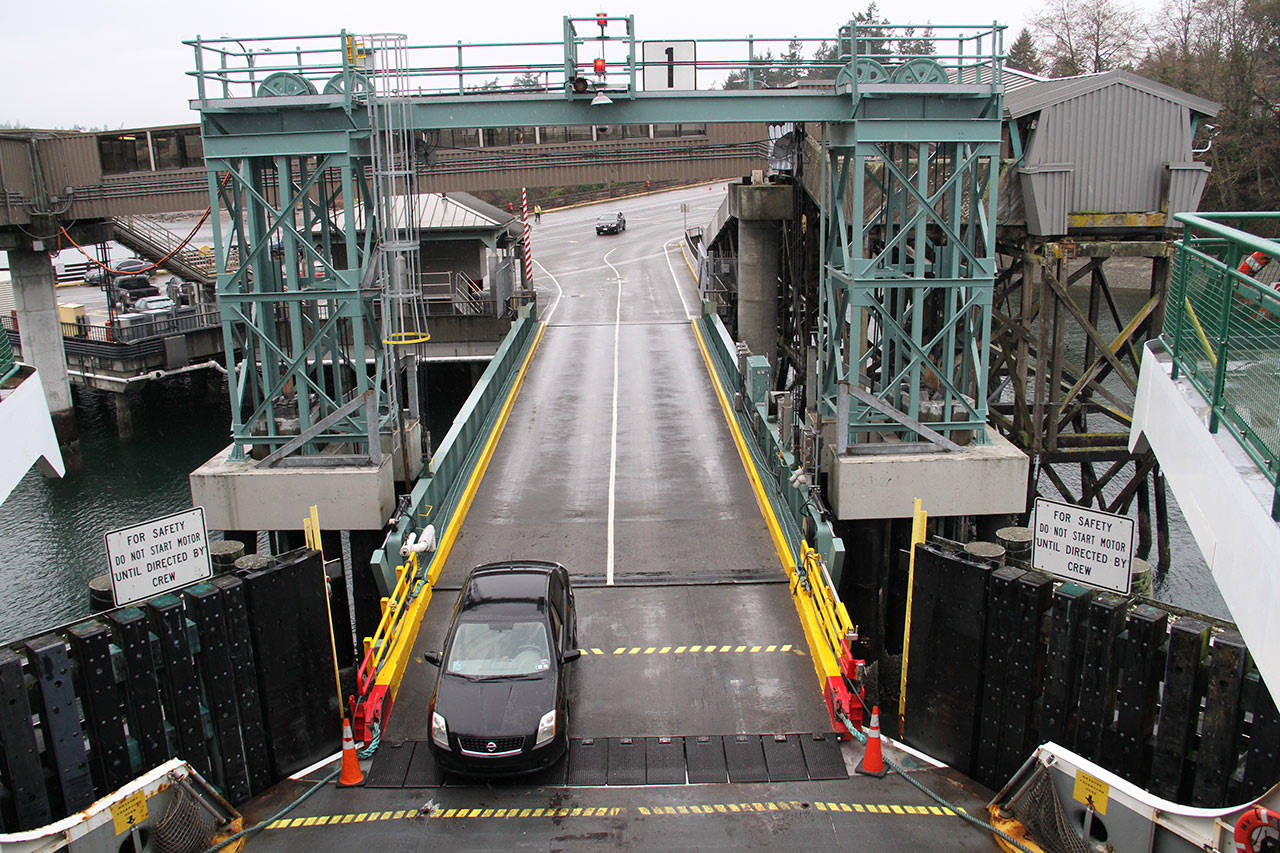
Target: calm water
x=51, y=531
x=1188, y=582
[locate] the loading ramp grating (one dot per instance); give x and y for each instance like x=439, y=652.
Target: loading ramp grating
x=617, y=761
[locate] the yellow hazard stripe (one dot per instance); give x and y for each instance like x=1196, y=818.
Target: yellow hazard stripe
x=687, y=810
x=740, y=649
x=391, y=672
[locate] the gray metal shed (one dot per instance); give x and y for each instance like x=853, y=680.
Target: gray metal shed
x=1101, y=150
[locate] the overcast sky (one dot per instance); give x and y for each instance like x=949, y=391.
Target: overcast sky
x=121, y=63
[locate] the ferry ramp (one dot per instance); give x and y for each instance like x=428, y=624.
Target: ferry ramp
x=618, y=462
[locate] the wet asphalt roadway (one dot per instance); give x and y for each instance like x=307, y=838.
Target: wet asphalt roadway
x=617, y=462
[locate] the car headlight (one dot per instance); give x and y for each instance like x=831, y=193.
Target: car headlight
x=546, y=728
x=440, y=731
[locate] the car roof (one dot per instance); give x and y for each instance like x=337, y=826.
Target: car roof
x=511, y=581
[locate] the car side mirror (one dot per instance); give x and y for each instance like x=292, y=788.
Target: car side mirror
x=433, y=658
x=571, y=655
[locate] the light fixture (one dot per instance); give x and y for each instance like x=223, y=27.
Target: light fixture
x=601, y=99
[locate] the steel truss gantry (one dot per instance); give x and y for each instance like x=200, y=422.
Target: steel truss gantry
x=911, y=141
x=908, y=253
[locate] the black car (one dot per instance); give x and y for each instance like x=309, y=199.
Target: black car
x=611, y=223
x=500, y=704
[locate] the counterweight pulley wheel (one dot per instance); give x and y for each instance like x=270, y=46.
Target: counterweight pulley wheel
x=285, y=83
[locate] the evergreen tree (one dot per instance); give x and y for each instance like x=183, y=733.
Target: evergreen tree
x=1023, y=55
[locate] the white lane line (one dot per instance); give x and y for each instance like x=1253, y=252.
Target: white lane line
x=559, y=292
x=688, y=315
x=596, y=269
x=613, y=441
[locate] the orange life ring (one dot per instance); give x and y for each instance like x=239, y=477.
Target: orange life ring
x=1250, y=822
x=1253, y=264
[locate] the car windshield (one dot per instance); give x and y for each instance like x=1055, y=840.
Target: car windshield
x=487, y=649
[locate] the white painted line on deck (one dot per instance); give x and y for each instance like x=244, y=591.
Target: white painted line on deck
x=559, y=292
x=613, y=440
x=306, y=771
x=688, y=315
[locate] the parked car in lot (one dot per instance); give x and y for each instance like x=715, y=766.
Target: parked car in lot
x=500, y=704
x=611, y=223
x=134, y=266
x=128, y=289
x=153, y=303
x=95, y=276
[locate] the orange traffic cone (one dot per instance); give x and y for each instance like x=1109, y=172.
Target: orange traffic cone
x=872, y=763
x=351, y=773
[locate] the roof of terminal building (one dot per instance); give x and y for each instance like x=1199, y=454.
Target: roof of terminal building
x=1043, y=93
x=1012, y=78
x=455, y=211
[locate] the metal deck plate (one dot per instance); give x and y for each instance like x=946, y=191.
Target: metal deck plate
x=588, y=761
x=745, y=758
x=822, y=756
x=626, y=761
x=391, y=765
x=705, y=757
x=664, y=760
x=783, y=758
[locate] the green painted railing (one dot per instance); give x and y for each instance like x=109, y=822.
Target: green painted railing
x=1223, y=329
x=776, y=463
x=8, y=364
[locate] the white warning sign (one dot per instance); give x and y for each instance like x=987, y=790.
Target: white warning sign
x=1083, y=545
x=158, y=556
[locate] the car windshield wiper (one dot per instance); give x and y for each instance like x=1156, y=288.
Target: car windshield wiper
x=509, y=677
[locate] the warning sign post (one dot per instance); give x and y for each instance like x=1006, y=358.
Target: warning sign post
x=158, y=556
x=1083, y=545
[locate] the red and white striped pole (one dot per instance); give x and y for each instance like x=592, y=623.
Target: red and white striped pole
x=528, y=250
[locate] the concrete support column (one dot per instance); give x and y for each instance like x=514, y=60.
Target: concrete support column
x=126, y=404
x=40, y=332
x=760, y=209
x=758, y=246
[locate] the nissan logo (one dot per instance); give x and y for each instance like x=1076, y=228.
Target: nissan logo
x=491, y=746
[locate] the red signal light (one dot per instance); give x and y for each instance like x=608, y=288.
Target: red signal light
x=598, y=64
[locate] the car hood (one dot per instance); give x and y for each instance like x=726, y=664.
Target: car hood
x=502, y=708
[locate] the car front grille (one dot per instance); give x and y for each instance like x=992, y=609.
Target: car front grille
x=500, y=744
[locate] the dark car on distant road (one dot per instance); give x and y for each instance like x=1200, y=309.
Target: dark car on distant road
x=611, y=223
x=500, y=705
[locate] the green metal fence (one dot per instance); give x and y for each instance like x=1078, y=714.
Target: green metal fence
x=8, y=365
x=1223, y=329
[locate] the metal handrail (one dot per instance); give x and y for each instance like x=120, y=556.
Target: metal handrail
x=235, y=68
x=8, y=364
x=1223, y=331
x=394, y=609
